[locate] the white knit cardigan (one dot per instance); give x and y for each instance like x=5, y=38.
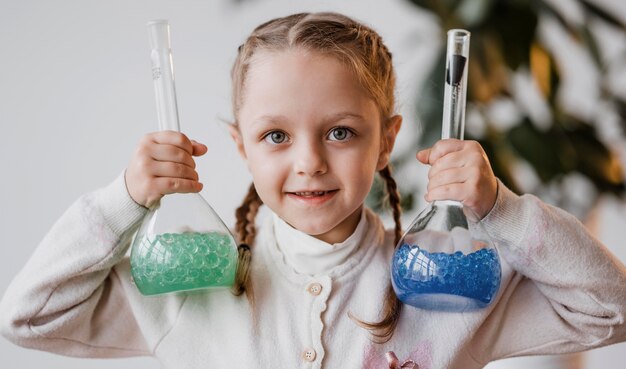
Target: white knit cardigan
x=561, y=291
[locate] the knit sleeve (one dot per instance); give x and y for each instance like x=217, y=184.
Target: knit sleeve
x=68, y=299
x=564, y=291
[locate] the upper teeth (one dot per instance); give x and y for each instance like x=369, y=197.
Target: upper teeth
x=310, y=193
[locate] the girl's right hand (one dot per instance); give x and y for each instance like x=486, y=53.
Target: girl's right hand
x=163, y=164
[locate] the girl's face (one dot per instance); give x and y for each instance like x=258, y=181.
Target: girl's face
x=311, y=138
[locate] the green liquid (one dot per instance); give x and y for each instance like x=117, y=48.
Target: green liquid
x=172, y=262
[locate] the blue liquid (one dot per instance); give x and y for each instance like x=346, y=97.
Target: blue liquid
x=442, y=281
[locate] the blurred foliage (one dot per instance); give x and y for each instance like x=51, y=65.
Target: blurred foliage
x=504, y=42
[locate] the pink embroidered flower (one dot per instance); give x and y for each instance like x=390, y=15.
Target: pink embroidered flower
x=394, y=363
x=419, y=358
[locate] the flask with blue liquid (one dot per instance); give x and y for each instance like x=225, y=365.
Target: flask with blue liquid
x=446, y=261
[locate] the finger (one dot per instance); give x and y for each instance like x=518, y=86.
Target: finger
x=457, y=159
x=173, y=138
x=199, y=149
x=447, y=177
x=168, y=185
x=173, y=170
x=454, y=191
x=170, y=153
x=423, y=155
x=444, y=147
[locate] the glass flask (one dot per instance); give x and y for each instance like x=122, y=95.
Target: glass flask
x=181, y=244
x=446, y=261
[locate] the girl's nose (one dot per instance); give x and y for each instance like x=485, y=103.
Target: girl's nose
x=310, y=159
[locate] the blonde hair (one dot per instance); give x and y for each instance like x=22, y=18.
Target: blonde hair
x=361, y=49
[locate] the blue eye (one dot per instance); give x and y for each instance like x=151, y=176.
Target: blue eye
x=275, y=137
x=340, y=134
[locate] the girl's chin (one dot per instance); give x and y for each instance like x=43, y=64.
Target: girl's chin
x=327, y=233
x=314, y=230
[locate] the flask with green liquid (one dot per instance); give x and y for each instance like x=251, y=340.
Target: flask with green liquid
x=182, y=244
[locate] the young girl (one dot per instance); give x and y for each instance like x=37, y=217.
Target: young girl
x=314, y=121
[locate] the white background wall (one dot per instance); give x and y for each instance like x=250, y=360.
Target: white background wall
x=76, y=96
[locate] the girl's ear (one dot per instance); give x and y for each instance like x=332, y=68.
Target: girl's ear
x=389, y=138
x=236, y=135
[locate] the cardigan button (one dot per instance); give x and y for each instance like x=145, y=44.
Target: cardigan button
x=309, y=354
x=314, y=288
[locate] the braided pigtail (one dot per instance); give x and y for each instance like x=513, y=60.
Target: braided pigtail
x=245, y=214
x=384, y=329
x=246, y=232
x=394, y=201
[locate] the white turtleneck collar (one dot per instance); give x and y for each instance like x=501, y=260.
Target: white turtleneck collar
x=308, y=255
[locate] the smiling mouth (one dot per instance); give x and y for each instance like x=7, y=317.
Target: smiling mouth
x=312, y=198
x=311, y=193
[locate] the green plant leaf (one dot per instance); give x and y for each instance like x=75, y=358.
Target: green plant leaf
x=488, y=73
x=555, y=81
x=594, y=159
x=548, y=152
x=514, y=23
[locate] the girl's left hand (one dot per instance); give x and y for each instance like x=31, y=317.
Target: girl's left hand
x=460, y=171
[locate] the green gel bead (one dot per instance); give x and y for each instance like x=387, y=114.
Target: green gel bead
x=223, y=263
x=221, y=249
x=184, y=259
x=212, y=260
x=197, y=262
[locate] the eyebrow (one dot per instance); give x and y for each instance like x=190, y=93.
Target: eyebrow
x=271, y=119
x=281, y=119
x=342, y=116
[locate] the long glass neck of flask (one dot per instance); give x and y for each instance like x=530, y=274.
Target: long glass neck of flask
x=163, y=75
x=453, y=123
x=457, y=54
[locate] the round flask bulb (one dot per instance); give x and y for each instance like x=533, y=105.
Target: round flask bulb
x=183, y=245
x=446, y=261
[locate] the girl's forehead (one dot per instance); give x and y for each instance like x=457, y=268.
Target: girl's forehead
x=296, y=60
x=300, y=78
x=299, y=71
